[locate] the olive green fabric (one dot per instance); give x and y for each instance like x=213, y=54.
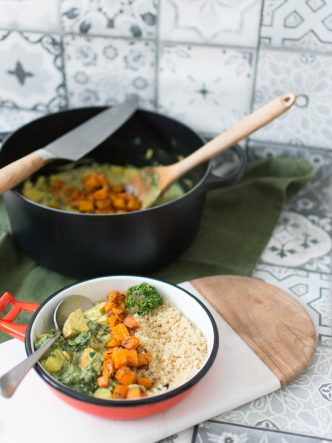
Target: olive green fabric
x=237, y=223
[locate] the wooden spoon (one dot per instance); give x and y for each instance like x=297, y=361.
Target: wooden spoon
x=150, y=182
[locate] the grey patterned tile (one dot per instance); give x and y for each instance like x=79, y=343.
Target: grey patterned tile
x=303, y=407
x=308, y=76
x=216, y=432
x=125, y=18
x=11, y=119
x=303, y=237
x=103, y=70
x=297, y=24
x=210, y=21
x=29, y=15
x=312, y=290
x=31, y=75
x=190, y=90
x=300, y=241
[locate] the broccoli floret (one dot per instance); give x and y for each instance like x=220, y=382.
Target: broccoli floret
x=143, y=298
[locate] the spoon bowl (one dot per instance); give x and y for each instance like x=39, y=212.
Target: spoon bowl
x=11, y=380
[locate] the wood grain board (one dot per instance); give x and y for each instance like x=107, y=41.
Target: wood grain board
x=271, y=322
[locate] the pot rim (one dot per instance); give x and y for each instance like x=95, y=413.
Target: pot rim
x=119, y=402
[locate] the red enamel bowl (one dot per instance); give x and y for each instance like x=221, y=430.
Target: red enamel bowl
x=97, y=289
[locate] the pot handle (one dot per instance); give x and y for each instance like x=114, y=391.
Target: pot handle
x=213, y=181
x=7, y=322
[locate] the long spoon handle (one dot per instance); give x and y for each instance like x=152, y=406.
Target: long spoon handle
x=241, y=130
x=10, y=381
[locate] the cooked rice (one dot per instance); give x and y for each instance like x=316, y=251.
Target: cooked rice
x=177, y=346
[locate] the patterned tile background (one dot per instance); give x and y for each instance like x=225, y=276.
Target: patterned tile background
x=207, y=63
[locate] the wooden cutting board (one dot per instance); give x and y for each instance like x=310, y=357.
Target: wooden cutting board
x=271, y=322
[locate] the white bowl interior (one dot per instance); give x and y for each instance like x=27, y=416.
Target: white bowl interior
x=97, y=289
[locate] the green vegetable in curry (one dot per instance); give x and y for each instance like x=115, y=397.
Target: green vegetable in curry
x=98, y=353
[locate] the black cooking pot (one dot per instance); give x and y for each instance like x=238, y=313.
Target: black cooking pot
x=95, y=244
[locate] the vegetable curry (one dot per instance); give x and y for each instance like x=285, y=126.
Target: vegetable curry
x=98, y=353
x=96, y=189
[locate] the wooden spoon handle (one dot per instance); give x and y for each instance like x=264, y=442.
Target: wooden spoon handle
x=14, y=173
x=241, y=130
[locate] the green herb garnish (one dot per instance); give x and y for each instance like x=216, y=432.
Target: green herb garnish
x=143, y=298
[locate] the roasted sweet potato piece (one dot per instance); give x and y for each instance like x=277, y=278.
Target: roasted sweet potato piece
x=144, y=358
x=120, y=391
x=119, y=331
x=119, y=357
x=131, y=322
x=132, y=357
x=135, y=392
x=130, y=342
x=84, y=206
x=125, y=376
x=144, y=381
x=113, y=343
x=114, y=319
x=109, y=305
x=103, y=381
x=108, y=368
x=101, y=194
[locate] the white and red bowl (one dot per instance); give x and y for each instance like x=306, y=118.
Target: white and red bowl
x=97, y=289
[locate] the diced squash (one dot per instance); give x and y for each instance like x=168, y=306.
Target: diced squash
x=114, y=319
x=103, y=381
x=75, y=324
x=109, y=305
x=135, y=392
x=115, y=296
x=131, y=322
x=130, y=342
x=132, y=357
x=108, y=367
x=120, y=391
x=119, y=332
x=125, y=376
x=119, y=357
x=144, y=358
x=113, y=343
x=144, y=381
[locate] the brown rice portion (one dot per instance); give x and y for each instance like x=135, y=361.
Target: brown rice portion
x=177, y=346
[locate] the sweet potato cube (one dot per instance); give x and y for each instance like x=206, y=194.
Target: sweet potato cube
x=115, y=296
x=131, y=322
x=113, y=343
x=132, y=357
x=144, y=358
x=119, y=357
x=125, y=376
x=119, y=332
x=130, y=342
x=120, y=391
x=108, y=368
x=145, y=381
x=135, y=393
x=113, y=320
x=103, y=381
x=109, y=305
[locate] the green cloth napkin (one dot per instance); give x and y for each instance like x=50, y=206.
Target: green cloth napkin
x=237, y=223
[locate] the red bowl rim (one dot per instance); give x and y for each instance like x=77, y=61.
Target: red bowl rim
x=125, y=402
